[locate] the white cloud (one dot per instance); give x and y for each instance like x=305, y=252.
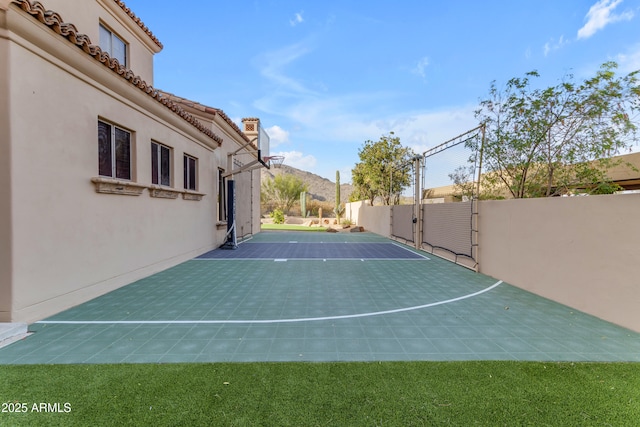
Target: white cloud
x=297, y=159
x=555, y=45
x=297, y=19
x=274, y=63
x=277, y=136
x=600, y=15
x=420, y=67
x=630, y=61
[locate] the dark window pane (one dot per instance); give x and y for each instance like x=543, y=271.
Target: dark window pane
x=154, y=163
x=186, y=172
x=123, y=154
x=222, y=199
x=165, y=165
x=192, y=174
x=104, y=149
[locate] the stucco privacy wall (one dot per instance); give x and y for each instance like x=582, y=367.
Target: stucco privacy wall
x=376, y=219
x=67, y=243
x=5, y=172
x=579, y=251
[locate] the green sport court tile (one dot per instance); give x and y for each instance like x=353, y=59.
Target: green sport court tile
x=306, y=310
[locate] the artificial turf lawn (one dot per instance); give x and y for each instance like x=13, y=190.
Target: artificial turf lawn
x=334, y=394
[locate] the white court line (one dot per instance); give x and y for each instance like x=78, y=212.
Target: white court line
x=409, y=250
x=311, y=259
x=304, y=319
x=200, y=258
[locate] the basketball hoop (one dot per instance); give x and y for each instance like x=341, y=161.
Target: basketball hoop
x=275, y=161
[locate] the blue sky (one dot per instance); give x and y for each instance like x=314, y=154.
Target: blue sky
x=325, y=76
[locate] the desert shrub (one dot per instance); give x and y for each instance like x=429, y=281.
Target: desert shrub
x=278, y=216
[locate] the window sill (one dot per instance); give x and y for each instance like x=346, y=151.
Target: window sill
x=115, y=186
x=163, y=192
x=192, y=195
x=107, y=185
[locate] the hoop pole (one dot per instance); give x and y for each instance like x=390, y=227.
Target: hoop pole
x=231, y=241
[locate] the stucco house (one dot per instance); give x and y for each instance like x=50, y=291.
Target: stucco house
x=104, y=179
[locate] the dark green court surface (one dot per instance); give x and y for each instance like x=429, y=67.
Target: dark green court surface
x=283, y=296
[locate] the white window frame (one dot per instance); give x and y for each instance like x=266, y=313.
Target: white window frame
x=190, y=179
x=156, y=163
x=113, y=139
x=114, y=45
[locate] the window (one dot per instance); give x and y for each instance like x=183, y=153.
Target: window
x=190, y=172
x=114, y=151
x=160, y=164
x=113, y=45
x=222, y=196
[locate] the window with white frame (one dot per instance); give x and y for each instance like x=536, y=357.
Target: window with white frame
x=160, y=164
x=113, y=45
x=190, y=172
x=114, y=151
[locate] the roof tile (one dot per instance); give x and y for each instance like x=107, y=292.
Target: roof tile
x=138, y=21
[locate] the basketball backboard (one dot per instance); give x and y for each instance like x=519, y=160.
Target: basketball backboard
x=263, y=143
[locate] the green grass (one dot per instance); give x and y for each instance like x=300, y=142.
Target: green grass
x=327, y=394
x=290, y=227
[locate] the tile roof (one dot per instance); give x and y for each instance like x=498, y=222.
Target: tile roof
x=138, y=21
x=210, y=110
x=54, y=21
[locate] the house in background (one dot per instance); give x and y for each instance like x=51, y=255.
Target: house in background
x=103, y=178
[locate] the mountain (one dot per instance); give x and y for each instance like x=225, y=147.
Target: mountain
x=320, y=189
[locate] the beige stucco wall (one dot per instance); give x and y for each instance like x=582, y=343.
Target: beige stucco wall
x=5, y=174
x=376, y=219
x=580, y=251
x=69, y=239
x=61, y=242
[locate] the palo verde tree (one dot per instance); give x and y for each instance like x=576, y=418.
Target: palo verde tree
x=380, y=172
x=546, y=142
x=283, y=191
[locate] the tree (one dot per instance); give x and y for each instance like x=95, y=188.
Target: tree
x=546, y=142
x=282, y=191
x=381, y=172
x=462, y=178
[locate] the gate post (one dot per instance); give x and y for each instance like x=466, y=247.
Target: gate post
x=417, y=207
